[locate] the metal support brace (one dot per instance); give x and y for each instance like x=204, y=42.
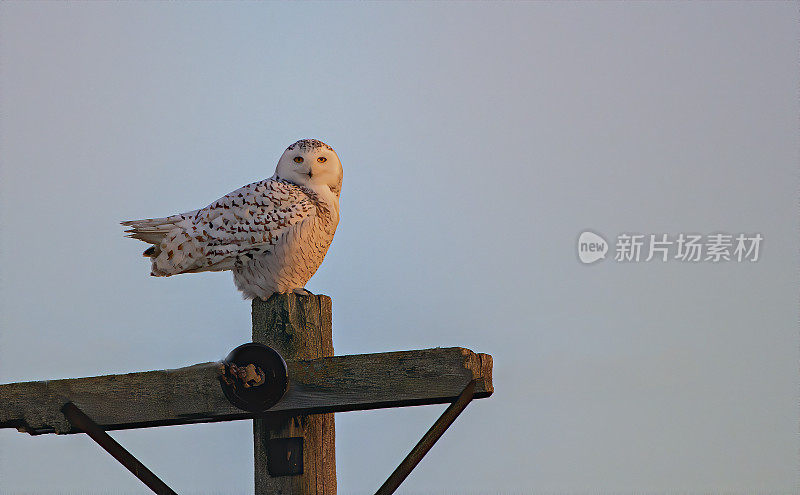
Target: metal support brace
x=424, y=445
x=81, y=421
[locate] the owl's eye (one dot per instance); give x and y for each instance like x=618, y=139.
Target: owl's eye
x=298, y=159
x=322, y=159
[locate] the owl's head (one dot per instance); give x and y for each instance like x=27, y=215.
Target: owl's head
x=313, y=164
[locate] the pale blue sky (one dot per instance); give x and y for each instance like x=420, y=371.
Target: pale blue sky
x=478, y=140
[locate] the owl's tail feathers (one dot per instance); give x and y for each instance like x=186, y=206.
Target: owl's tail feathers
x=152, y=231
x=173, y=251
x=156, y=222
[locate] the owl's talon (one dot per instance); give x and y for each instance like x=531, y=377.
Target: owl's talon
x=302, y=292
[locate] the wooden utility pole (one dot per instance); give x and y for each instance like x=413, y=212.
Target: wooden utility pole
x=299, y=328
x=290, y=394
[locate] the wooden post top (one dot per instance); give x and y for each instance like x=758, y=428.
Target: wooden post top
x=297, y=326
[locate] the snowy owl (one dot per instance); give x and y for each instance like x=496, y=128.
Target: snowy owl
x=272, y=234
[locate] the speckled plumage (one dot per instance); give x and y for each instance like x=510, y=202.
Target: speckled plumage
x=272, y=234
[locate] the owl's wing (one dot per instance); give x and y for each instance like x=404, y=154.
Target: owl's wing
x=252, y=218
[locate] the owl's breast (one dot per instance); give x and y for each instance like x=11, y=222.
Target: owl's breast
x=291, y=262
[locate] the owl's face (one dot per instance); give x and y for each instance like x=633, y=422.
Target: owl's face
x=311, y=163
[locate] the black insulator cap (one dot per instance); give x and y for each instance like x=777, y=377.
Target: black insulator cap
x=254, y=377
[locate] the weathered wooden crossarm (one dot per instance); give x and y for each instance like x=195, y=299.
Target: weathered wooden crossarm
x=194, y=394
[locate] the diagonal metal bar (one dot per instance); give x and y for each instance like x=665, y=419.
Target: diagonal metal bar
x=81, y=421
x=424, y=445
